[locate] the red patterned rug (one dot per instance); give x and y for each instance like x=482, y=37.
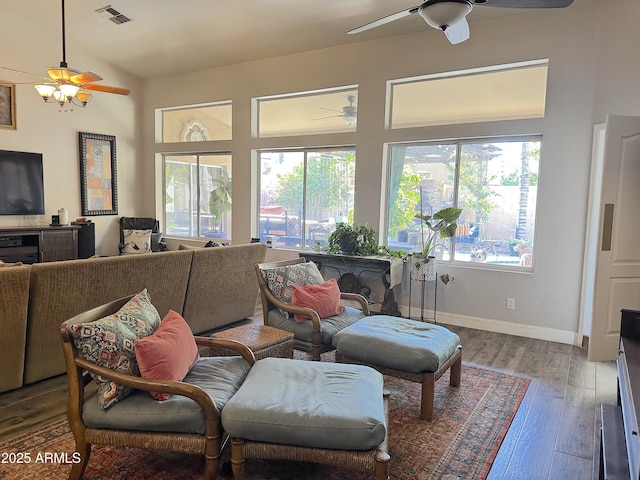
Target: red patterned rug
x=461, y=442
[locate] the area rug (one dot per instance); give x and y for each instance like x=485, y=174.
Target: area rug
x=461, y=442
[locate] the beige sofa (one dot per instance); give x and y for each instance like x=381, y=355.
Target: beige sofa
x=211, y=287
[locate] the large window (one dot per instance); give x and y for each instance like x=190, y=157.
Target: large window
x=304, y=193
x=197, y=195
x=493, y=181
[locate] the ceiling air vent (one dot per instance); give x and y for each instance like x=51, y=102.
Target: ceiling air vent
x=112, y=14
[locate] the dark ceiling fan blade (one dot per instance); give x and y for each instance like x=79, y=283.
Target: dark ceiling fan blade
x=524, y=3
x=85, y=77
x=384, y=20
x=106, y=89
x=458, y=32
x=26, y=73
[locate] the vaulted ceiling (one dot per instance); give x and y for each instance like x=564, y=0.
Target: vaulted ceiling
x=172, y=36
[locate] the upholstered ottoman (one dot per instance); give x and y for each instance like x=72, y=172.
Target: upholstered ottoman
x=416, y=351
x=328, y=413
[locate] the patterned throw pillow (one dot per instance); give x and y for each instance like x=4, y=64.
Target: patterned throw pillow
x=136, y=241
x=109, y=342
x=280, y=280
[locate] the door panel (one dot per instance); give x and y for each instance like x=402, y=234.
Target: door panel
x=617, y=283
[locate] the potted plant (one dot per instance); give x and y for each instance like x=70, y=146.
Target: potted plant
x=220, y=199
x=433, y=230
x=352, y=240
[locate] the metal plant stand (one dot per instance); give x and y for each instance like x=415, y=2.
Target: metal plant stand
x=423, y=283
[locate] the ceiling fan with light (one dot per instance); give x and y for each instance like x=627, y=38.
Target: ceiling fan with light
x=450, y=15
x=349, y=113
x=66, y=85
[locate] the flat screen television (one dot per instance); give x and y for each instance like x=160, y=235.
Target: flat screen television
x=21, y=183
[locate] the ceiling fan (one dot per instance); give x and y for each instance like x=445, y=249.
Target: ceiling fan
x=450, y=15
x=67, y=85
x=349, y=113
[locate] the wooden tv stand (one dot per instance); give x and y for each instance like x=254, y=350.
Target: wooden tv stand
x=38, y=244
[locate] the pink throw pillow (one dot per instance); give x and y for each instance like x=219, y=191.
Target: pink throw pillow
x=323, y=298
x=169, y=353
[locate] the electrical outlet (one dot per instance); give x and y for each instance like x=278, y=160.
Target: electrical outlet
x=511, y=303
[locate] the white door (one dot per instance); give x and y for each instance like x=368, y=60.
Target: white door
x=617, y=281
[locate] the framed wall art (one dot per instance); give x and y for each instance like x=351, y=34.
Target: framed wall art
x=98, y=174
x=7, y=106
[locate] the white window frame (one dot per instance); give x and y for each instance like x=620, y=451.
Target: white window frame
x=458, y=143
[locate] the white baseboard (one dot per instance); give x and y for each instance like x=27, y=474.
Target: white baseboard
x=529, y=331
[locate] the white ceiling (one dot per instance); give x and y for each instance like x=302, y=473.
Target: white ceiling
x=173, y=36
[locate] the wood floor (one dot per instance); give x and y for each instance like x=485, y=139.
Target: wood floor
x=554, y=434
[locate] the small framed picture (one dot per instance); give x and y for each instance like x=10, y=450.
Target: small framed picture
x=7, y=106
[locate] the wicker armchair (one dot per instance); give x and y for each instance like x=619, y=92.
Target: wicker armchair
x=311, y=335
x=208, y=444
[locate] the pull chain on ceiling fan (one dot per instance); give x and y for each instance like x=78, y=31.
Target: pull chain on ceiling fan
x=66, y=85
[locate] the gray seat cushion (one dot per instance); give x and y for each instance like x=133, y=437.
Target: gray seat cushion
x=302, y=331
x=397, y=343
x=219, y=376
x=311, y=404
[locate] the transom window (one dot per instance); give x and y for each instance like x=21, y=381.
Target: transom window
x=317, y=112
x=494, y=181
x=195, y=123
x=503, y=92
x=304, y=193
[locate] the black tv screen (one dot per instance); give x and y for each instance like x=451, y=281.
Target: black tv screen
x=21, y=183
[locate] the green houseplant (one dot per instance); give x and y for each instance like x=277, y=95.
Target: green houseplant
x=434, y=229
x=352, y=240
x=220, y=198
x=358, y=241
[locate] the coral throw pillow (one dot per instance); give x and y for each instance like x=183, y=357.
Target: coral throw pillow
x=169, y=353
x=323, y=298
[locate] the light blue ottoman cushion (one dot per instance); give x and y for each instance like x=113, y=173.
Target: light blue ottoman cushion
x=397, y=343
x=220, y=377
x=310, y=404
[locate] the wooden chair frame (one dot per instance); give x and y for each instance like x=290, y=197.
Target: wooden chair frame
x=270, y=302
x=210, y=444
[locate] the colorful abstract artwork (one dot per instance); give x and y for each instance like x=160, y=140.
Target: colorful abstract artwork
x=98, y=174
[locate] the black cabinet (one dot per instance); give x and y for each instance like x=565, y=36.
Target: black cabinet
x=38, y=244
x=86, y=239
